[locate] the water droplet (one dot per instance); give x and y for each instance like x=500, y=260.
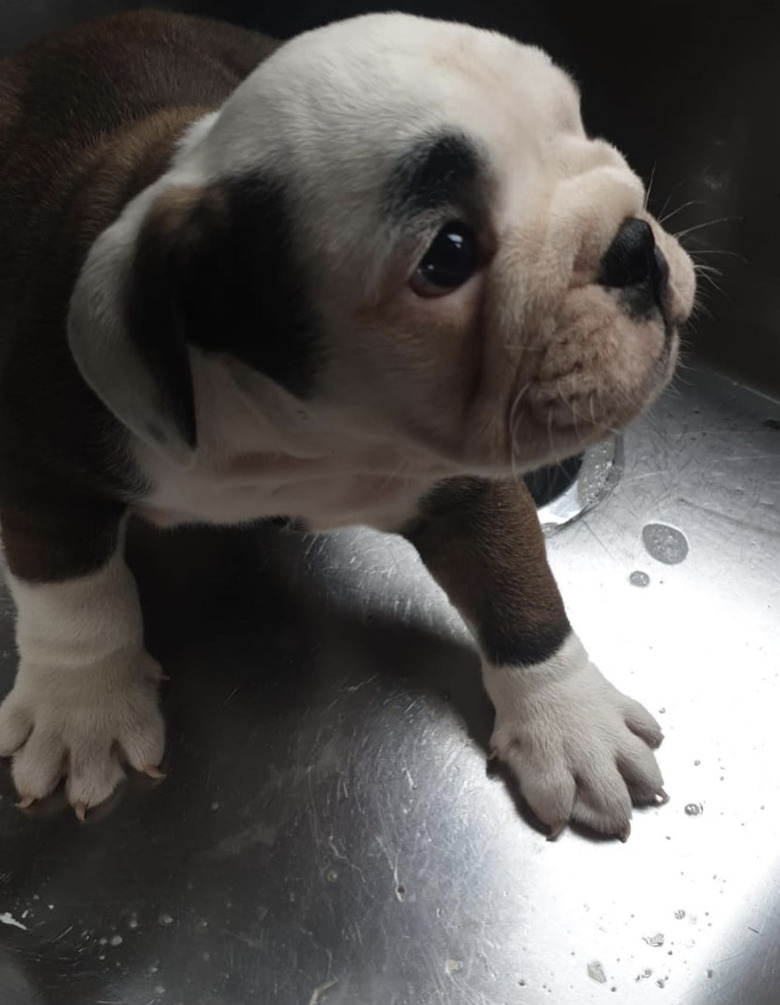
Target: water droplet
x=165, y=919
x=116, y=940
x=679, y=915
x=331, y=875
x=664, y=543
x=596, y=972
x=639, y=579
x=694, y=809
x=655, y=940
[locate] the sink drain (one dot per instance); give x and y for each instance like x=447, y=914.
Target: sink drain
x=567, y=490
x=548, y=484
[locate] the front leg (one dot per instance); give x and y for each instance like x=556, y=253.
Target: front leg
x=85, y=695
x=580, y=749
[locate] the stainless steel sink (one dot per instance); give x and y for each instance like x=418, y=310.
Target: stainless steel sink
x=329, y=832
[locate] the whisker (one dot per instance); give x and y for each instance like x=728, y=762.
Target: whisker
x=701, y=269
x=571, y=409
x=669, y=197
x=713, y=283
x=650, y=186
x=719, y=251
x=513, y=430
x=708, y=223
x=701, y=308
x=692, y=202
x=549, y=432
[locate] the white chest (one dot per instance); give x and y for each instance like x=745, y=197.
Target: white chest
x=325, y=494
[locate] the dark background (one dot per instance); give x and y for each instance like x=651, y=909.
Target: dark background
x=688, y=90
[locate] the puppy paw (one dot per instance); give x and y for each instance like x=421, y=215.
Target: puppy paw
x=82, y=723
x=580, y=749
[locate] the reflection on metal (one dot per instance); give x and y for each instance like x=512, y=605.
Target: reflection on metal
x=596, y=479
x=329, y=831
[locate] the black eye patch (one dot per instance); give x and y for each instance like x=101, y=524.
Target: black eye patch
x=438, y=171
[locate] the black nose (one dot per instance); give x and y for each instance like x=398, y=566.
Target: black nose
x=633, y=260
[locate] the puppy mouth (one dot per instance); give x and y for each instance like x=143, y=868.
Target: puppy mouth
x=552, y=417
x=613, y=349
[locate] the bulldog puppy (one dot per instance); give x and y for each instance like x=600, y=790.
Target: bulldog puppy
x=371, y=276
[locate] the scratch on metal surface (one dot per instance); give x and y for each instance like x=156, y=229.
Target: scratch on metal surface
x=356, y=687
x=246, y=939
x=61, y=935
x=342, y=787
x=321, y=990
x=587, y=526
x=332, y=845
x=393, y=864
x=231, y=696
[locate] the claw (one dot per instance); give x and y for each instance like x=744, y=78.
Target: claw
x=663, y=796
x=81, y=812
x=556, y=829
x=154, y=772
x=25, y=802
x=625, y=834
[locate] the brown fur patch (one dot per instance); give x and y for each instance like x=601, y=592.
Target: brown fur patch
x=88, y=119
x=482, y=542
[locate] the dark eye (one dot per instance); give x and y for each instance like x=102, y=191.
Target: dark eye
x=448, y=263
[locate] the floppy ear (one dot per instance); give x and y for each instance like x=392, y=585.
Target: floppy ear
x=126, y=327
x=210, y=267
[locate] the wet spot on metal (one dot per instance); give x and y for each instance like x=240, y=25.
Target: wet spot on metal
x=664, y=543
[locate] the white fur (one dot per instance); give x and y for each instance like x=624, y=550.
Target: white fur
x=86, y=691
x=579, y=747
x=262, y=453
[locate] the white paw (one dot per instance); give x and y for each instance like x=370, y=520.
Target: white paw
x=82, y=722
x=581, y=749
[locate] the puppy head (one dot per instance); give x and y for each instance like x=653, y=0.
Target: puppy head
x=402, y=222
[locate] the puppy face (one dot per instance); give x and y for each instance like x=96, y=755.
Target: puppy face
x=461, y=269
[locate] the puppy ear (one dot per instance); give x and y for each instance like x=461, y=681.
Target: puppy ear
x=126, y=327
x=211, y=268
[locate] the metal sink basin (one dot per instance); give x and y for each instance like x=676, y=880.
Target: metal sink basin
x=329, y=832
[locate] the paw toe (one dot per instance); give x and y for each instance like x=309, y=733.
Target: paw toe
x=144, y=745
x=546, y=783
x=603, y=802
x=94, y=774
x=642, y=724
x=38, y=765
x=640, y=770
x=15, y=726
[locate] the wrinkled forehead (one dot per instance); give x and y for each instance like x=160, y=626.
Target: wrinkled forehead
x=354, y=98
